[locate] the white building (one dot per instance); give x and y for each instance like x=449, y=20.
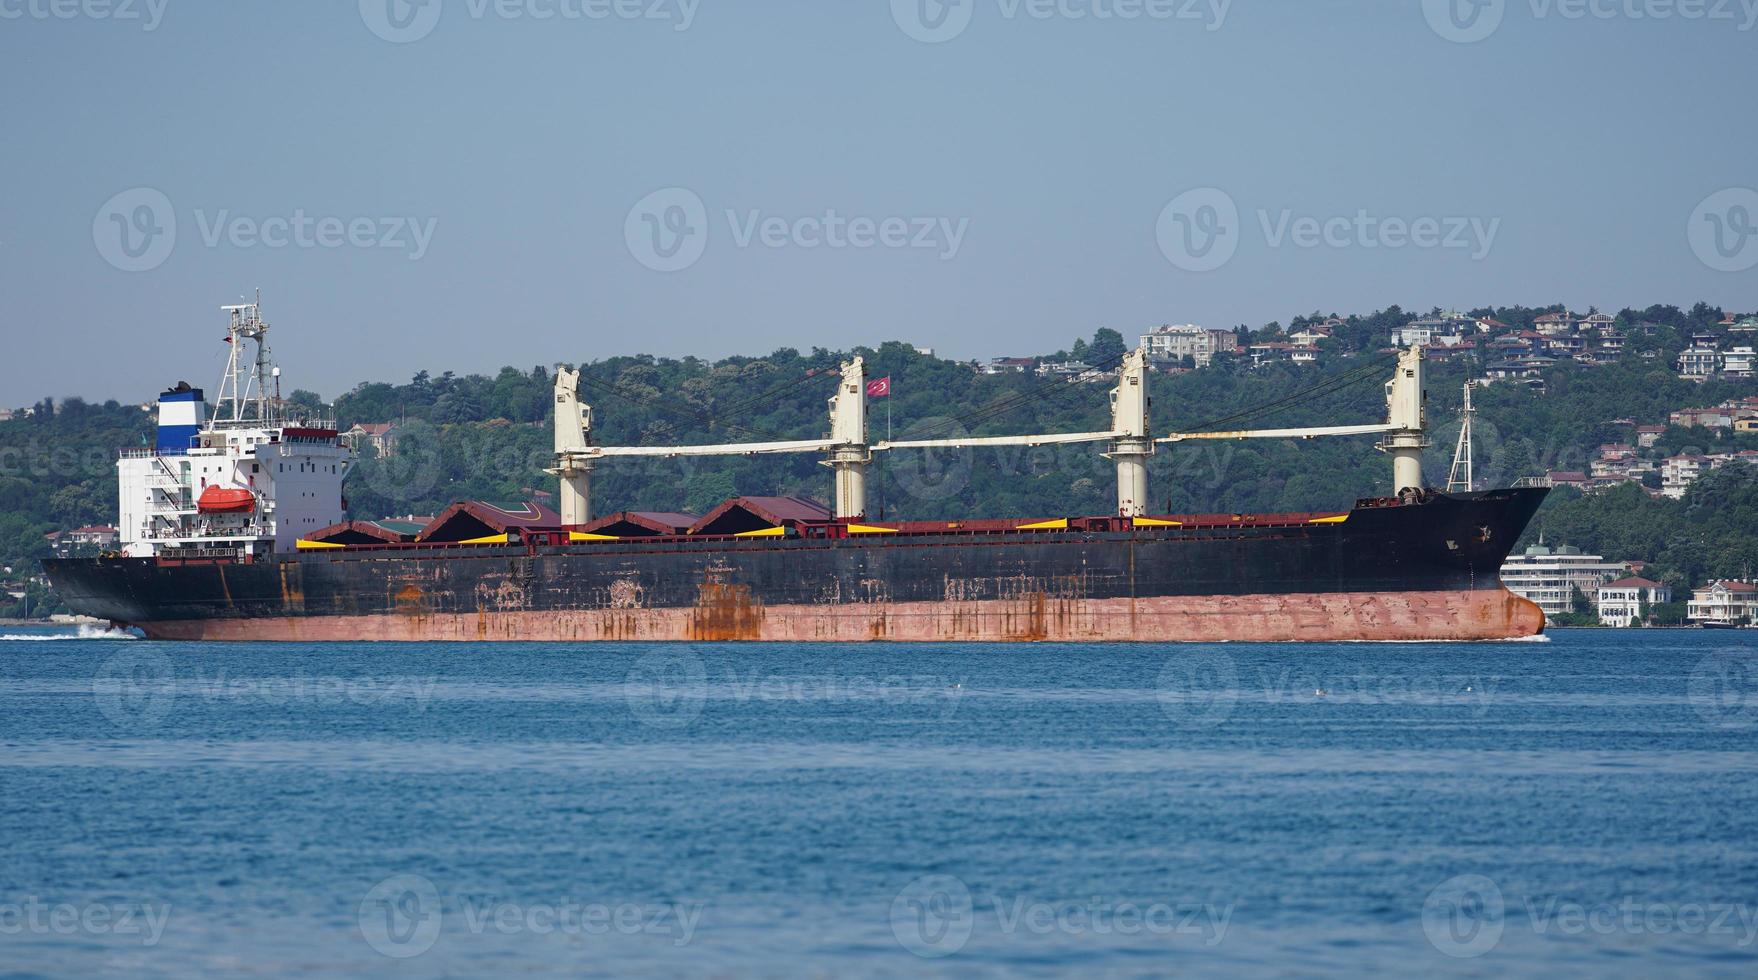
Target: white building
x=1555, y=324
x=1200, y=344
x=1418, y=333
x=1550, y=576
x=1621, y=602
x=1698, y=363
x=1074, y=370
x=1723, y=602
x=1739, y=362
x=1679, y=472
x=1009, y=365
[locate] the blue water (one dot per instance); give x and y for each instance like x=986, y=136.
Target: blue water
x=1584, y=806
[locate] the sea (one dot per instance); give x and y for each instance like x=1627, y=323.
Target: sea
x=1581, y=805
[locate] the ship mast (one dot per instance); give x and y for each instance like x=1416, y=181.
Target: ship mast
x=1459, y=477
x=246, y=383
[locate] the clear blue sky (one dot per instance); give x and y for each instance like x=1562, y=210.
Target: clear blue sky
x=1051, y=144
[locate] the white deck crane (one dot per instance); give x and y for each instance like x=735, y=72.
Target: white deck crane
x=848, y=453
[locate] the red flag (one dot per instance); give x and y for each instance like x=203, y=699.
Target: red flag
x=879, y=387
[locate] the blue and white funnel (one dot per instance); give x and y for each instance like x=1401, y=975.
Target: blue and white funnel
x=182, y=412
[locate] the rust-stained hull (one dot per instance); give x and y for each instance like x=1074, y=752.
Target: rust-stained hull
x=1473, y=615
x=1420, y=570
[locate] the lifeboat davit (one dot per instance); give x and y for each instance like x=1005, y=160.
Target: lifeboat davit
x=225, y=500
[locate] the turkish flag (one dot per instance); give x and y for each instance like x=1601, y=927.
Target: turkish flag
x=879, y=387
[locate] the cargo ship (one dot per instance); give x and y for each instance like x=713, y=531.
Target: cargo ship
x=234, y=527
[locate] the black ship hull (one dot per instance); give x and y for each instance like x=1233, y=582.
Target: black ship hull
x=1386, y=570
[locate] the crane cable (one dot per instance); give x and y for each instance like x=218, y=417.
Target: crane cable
x=1348, y=379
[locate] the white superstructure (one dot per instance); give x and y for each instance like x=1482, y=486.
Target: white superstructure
x=248, y=482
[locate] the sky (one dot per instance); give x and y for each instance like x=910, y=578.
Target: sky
x=463, y=184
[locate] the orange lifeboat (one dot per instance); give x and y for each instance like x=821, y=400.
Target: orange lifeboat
x=225, y=500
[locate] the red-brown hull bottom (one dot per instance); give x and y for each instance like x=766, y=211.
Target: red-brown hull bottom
x=1446, y=615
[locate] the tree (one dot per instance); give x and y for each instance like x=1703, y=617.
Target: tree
x=1107, y=347
x=707, y=490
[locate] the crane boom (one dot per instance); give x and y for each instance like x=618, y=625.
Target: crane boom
x=1311, y=432
x=719, y=449
x=1050, y=439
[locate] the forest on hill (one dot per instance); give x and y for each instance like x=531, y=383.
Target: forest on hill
x=488, y=437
